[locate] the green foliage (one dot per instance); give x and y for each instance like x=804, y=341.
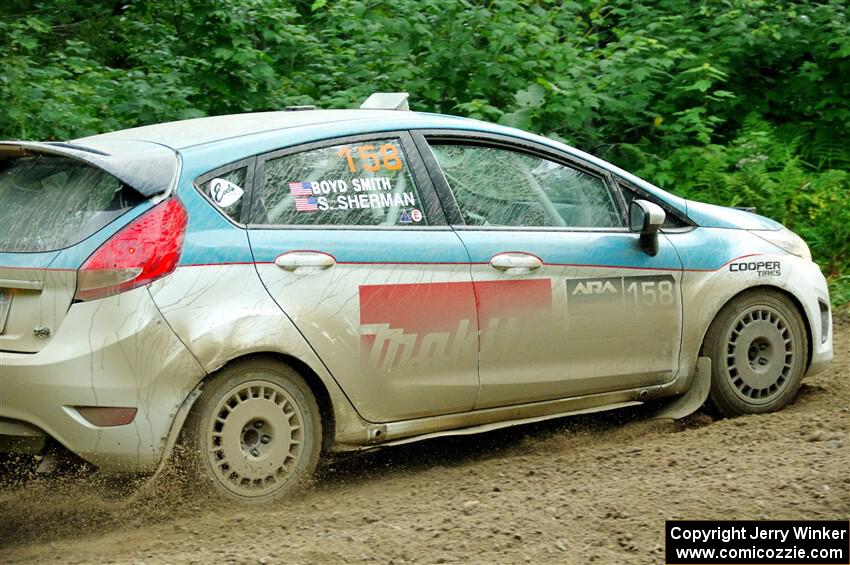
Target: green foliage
x=839, y=292
x=735, y=102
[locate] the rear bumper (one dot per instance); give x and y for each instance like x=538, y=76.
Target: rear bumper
x=114, y=352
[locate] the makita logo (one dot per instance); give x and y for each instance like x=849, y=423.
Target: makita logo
x=438, y=324
x=389, y=348
x=595, y=287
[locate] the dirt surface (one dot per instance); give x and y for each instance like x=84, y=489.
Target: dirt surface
x=576, y=490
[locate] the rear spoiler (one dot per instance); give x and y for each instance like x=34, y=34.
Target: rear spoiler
x=147, y=167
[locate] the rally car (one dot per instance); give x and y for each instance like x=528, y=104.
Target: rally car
x=266, y=287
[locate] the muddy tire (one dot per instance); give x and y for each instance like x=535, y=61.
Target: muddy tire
x=255, y=434
x=758, y=348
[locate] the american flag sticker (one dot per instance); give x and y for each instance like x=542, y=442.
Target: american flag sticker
x=301, y=189
x=306, y=204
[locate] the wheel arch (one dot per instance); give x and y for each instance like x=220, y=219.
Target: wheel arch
x=327, y=412
x=798, y=305
x=314, y=382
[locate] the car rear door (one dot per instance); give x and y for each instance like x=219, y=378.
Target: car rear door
x=350, y=240
x=568, y=303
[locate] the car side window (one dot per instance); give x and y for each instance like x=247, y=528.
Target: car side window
x=226, y=190
x=500, y=187
x=670, y=221
x=366, y=183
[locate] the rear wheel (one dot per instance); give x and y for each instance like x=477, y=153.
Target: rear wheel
x=758, y=349
x=255, y=434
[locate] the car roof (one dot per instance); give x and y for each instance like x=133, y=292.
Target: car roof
x=184, y=134
x=211, y=142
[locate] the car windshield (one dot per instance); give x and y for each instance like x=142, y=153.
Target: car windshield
x=49, y=202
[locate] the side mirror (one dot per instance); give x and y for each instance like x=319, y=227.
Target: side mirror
x=646, y=219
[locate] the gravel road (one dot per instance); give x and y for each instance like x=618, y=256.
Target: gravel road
x=579, y=490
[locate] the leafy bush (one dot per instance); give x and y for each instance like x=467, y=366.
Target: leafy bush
x=732, y=102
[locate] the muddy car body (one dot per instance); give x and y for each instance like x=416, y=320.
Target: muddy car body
x=269, y=285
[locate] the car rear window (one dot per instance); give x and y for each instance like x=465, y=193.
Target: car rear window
x=49, y=202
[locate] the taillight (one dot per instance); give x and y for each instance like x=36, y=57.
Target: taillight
x=144, y=250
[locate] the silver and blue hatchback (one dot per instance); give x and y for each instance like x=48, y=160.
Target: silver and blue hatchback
x=265, y=287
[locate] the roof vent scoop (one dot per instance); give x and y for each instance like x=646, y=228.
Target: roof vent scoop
x=386, y=101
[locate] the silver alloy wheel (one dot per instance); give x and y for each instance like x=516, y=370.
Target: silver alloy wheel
x=255, y=439
x=760, y=354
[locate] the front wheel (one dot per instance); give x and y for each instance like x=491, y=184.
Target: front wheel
x=255, y=434
x=758, y=349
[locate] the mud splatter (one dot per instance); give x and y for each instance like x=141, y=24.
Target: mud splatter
x=591, y=488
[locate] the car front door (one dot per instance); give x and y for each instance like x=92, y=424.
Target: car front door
x=350, y=240
x=568, y=304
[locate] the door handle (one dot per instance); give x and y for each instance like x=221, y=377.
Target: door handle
x=515, y=262
x=307, y=260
